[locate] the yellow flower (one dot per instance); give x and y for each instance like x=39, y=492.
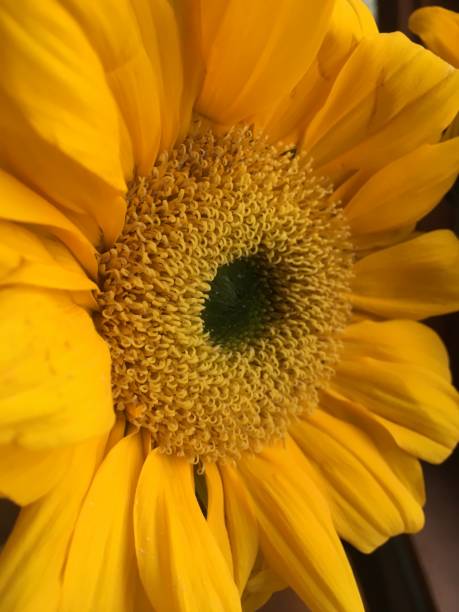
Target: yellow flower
x=215, y=201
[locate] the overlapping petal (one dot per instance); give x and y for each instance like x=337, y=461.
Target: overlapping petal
x=59, y=121
x=216, y=512
x=390, y=97
x=359, y=466
x=170, y=34
x=398, y=371
x=114, y=32
x=22, y=205
x=401, y=193
x=248, y=65
x=439, y=30
x=32, y=561
x=350, y=22
x=297, y=536
x=181, y=564
x=54, y=371
x=102, y=555
x=260, y=588
x=415, y=279
x=29, y=258
x=27, y=475
x=242, y=527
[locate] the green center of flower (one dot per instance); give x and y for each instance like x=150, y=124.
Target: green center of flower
x=239, y=302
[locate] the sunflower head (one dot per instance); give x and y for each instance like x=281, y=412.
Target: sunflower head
x=224, y=295
x=254, y=172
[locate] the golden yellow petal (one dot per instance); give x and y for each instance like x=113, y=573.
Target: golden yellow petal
x=101, y=569
x=216, y=512
x=181, y=565
x=54, y=371
x=167, y=29
x=38, y=260
x=141, y=601
x=439, y=30
x=350, y=21
x=405, y=190
x=412, y=280
x=256, y=52
x=378, y=340
x=117, y=432
x=189, y=23
x=115, y=33
x=398, y=371
x=9, y=260
x=391, y=97
x=349, y=449
x=27, y=475
x=364, y=17
x=260, y=589
x=32, y=561
x=297, y=536
x=59, y=121
x=22, y=205
x=242, y=526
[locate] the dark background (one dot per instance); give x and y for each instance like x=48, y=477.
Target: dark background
x=419, y=573
x=393, y=14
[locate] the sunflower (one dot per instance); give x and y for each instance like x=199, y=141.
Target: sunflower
x=212, y=363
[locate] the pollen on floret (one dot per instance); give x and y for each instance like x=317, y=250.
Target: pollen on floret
x=223, y=297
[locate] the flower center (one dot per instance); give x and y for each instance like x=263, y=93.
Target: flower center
x=240, y=301
x=223, y=297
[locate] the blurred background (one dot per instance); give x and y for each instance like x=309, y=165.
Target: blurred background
x=420, y=573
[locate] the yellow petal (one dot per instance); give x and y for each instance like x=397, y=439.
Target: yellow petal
x=404, y=191
x=114, y=31
x=350, y=21
x=189, y=23
x=9, y=260
x=88, y=226
x=38, y=260
x=364, y=17
x=412, y=341
x=33, y=559
x=297, y=536
x=391, y=97
x=398, y=370
x=242, y=527
x=414, y=280
x=256, y=52
x=26, y=475
x=20, y=204
x=181, y=565
x=349, y=449
x=59, y=121
x=54, y=371
x=141, y=601
x=439, y=30
x=117, y=432
x=260, y=588
x=101, y=568
x=169, y=66
x=216, y=512
x=167, y=28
